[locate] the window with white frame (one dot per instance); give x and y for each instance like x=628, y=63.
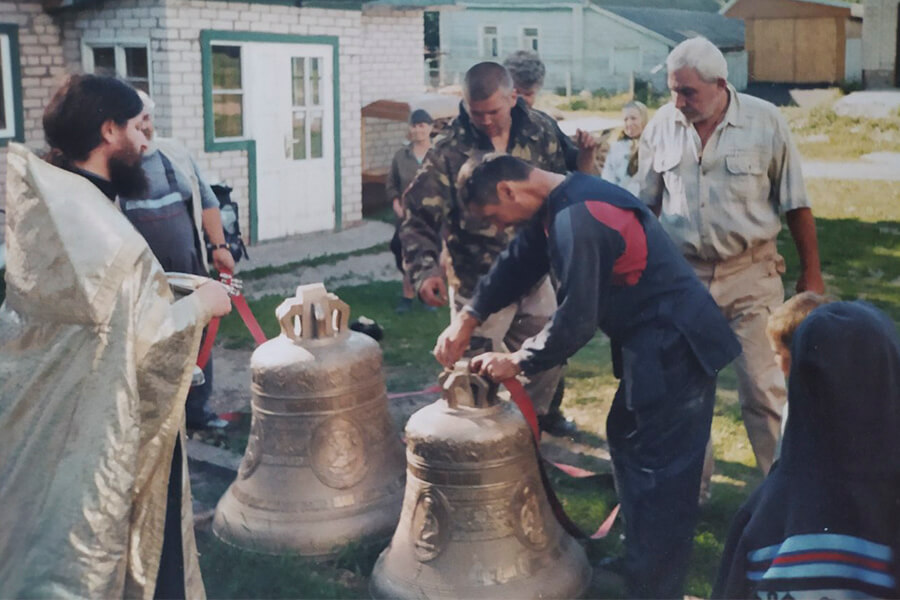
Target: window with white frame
x=490, y=41
x=307, y=109
x=7, y=101
x=530, y=37
x=127, y=60
x=227, y=92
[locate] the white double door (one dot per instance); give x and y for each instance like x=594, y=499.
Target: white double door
x=290, y=114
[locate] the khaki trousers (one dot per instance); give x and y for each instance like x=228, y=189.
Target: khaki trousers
x=508, y=328
x=748, y=289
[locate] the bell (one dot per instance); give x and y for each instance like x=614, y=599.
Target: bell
x=324, y=464
x=476, y=522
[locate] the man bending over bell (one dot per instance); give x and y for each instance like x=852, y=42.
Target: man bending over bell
x=617, y=271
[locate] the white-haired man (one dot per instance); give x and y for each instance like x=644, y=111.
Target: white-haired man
x=719, y=169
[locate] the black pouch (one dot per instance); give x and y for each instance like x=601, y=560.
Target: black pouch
x=228, y=208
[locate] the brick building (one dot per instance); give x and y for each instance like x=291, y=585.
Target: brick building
x=266, y=94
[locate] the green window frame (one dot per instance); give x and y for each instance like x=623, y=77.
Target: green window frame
x=12, y=118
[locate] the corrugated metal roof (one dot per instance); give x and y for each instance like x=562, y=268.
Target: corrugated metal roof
x=410, y=3
x=679, y=25
x=514, y=4
x=702, y=5
x=699, y=5
x=58, y=5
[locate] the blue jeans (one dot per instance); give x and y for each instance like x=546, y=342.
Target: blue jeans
x=657, y=449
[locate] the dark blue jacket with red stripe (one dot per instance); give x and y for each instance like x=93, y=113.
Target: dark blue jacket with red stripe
x=825, y=523
x=616, y=270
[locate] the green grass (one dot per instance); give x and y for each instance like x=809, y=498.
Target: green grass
x=845, y=138
x=229, y=572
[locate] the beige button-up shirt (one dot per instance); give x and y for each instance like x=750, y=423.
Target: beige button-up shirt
x=721, y=200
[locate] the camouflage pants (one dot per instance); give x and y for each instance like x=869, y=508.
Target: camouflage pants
x=508, y=328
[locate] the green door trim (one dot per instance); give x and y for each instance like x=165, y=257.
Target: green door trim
x=15, y=72
x=209, y=37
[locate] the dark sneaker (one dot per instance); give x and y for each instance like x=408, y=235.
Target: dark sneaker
x=211, y=421
x=556, y=424
x=427, y=307
x=404, y=305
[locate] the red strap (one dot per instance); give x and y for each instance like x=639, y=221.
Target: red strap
x=604, y=528
x=206, y=349
x=576, y=472
x=520, y=397
x=522, y=400
x=240, y=303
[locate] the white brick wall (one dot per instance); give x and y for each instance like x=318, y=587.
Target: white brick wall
x=42, y=69
x=392, y=68
x=392, y=54
x=380, y=55
x=383, y=139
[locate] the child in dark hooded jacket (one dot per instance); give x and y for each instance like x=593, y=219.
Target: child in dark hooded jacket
x=826, y=521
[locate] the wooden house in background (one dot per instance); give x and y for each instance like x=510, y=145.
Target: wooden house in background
x=801, y=41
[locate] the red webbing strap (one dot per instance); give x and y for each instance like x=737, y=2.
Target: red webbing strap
x=240, y=303
x=206, y=349
x=521, y=399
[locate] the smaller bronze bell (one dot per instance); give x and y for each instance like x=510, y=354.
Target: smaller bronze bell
x=475, y=521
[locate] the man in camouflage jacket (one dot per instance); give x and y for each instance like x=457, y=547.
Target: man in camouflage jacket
x=491, y=118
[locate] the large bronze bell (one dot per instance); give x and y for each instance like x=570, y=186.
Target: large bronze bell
x=324, y=464
x=476, y=522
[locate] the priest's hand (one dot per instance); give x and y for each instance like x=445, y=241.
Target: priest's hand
x=214, y=296
x=454, y=340
x=499, y=366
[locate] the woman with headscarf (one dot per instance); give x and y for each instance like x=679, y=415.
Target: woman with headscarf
x=622, y=161
x=826, y=521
